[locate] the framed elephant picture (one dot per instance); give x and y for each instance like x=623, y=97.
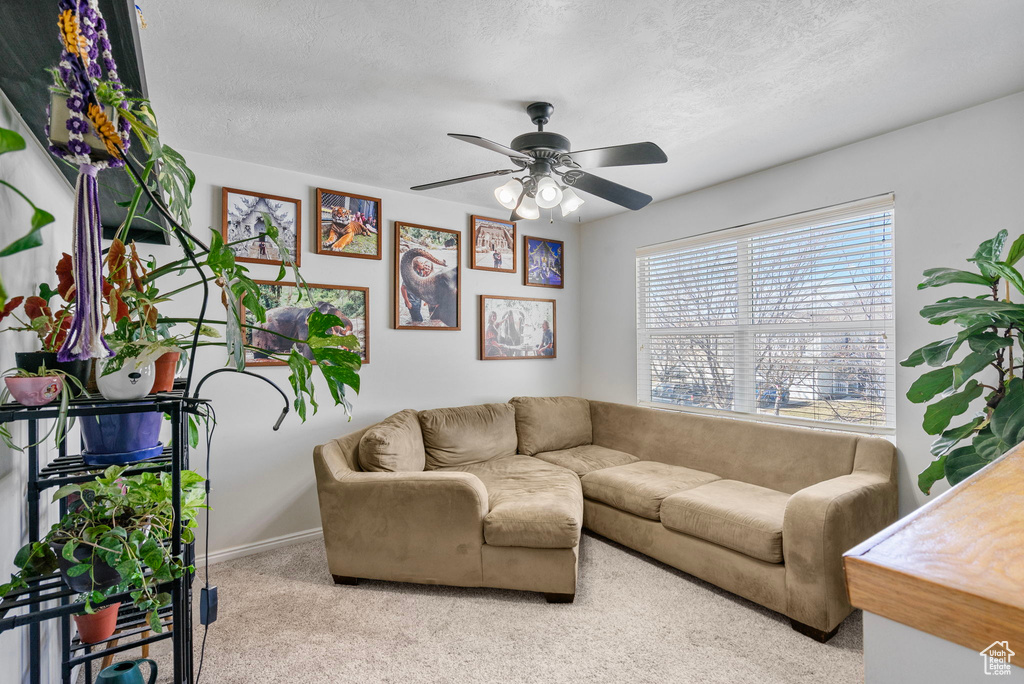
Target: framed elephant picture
x=427, y=278
x=287, y=315
x=517, y=328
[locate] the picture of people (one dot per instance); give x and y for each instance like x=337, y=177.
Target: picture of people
x=242, y=219
x=544, y=262
x=517, y=328
x=494, y=244
x=427, y=275
x=347, y=225
x=288, y=311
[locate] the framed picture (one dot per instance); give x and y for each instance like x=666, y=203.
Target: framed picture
x=242, y=218
x=543, y=262
x=287, y=315
x=427, y=277
x=517, y=328
x=494, y=244
x=347, y=225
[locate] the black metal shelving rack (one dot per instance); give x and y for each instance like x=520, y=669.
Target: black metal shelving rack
x=48, y=598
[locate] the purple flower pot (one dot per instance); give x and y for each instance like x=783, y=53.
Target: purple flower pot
x=121, y=438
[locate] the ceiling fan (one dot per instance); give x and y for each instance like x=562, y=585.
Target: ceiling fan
x=552, y=171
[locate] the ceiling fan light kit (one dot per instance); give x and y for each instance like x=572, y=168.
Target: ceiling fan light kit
x=546, y=159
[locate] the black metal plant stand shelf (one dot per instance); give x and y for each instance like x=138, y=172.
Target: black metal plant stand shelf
x=47, y=597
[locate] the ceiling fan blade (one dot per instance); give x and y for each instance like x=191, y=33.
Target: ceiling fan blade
x=613, y=192
x=491, y=145
x=463, y=179
x=619, y=155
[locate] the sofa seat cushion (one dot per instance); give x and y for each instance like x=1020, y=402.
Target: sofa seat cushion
x=552, y=423
x=394, y=445
x=532, y=503
x=586, y=458
x=737, y=515
x=639, y=488
x=468, y=434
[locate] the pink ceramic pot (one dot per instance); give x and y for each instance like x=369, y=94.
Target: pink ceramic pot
x=35, y=391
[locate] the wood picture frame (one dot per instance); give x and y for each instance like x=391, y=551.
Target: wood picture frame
x=439, y=265
x=521, y=333
x=349, y=217
x=251, y=221
x=543, y=269
x=361, y=328
x=498, y=238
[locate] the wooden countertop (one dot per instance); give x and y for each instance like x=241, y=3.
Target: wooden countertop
x=955, y=567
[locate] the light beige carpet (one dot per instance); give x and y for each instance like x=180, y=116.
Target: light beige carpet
x=282, y=619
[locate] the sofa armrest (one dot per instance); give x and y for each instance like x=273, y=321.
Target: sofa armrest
x=411, y=526
x=821, y=523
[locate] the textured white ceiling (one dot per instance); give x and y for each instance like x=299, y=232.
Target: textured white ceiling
x=366, y=91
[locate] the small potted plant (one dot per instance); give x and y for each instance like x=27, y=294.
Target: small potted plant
x=49, y=321
x=115, y=539
x=38, y=389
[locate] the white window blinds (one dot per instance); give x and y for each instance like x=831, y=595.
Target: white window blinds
x=788, y=320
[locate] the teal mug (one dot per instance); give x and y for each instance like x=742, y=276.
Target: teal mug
x=127, y=672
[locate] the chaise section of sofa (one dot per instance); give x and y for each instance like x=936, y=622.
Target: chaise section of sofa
x=452, y=503
x=496, y=495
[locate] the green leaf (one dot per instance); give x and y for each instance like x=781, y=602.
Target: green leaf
x=971, y=364
x=937, y=277
x=65, y=491
x=1008, y=273
x=1006, y=427
x=988, y=251
x=939, y=353
x=962, y=463
x=33, y=238
x=938, y=415
x=932, y=474
x=955, y=307
x=10, y=141
x=950, y=438
x=989, y=343
x=69, y=551
x=930, y=384
x=1016, y=251
x=193, y=432
x=78, y=570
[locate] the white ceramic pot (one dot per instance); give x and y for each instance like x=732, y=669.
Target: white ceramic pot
x=130, y=381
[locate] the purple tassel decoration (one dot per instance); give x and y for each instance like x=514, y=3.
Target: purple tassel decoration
x=85, y=337
x=85, y=55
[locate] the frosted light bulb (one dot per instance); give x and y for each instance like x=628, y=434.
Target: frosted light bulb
x=570, y=201
x=527, y=209
x=508, y=194
x=548, y=193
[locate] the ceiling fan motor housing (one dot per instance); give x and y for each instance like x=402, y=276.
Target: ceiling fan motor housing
x=541, y=144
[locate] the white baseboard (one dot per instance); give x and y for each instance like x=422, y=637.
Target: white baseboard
x=242, y=550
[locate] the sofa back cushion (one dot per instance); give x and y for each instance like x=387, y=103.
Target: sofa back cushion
x=778, y=457
x=394, y=445
x=468, y=434
x=551, y=423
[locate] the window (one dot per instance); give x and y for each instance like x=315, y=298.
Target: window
x=788, y=320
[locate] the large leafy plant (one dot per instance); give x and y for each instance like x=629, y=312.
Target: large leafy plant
x=991, y=325
x=125, y=523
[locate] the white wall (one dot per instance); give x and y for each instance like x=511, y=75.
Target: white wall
x=958, y=180
x=263, y=485
x=31, y=172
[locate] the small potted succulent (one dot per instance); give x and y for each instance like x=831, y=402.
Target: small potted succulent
x=114, y=539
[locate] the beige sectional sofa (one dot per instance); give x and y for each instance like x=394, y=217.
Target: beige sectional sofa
x=495, y=495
